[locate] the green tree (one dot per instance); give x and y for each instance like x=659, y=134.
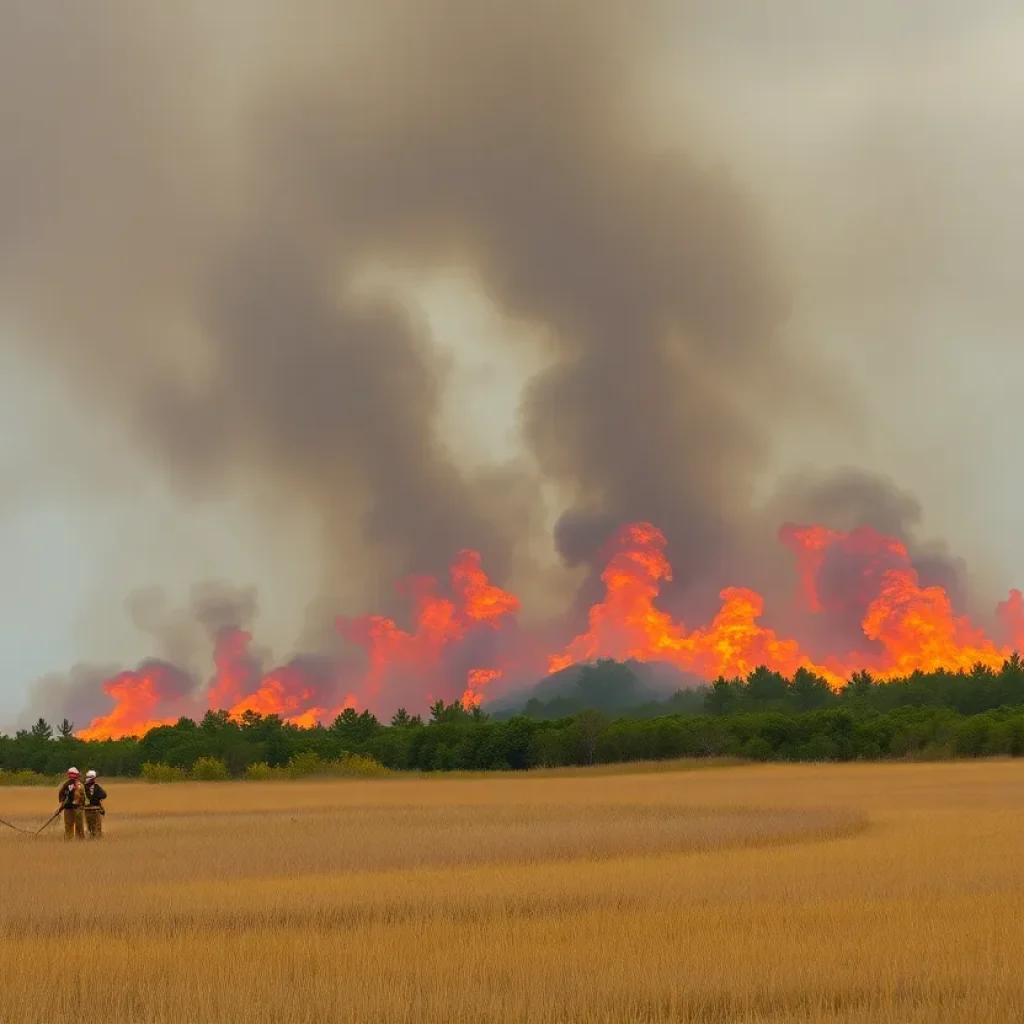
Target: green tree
x=860, y=689
x=766, y=688
x=442, y=714
x=42, y=730
x=723, y=696
x=353, y=727
x=215, y=720
x=66, y=729
x=809, y=692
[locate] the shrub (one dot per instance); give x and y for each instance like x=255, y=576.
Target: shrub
x=25, y=777
x=308, y=764
x=301, y=766
x=162, y=773
x=210, y=769
x=260, y=772
x=361, y=766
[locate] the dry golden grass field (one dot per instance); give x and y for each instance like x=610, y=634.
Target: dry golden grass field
x=847, y=893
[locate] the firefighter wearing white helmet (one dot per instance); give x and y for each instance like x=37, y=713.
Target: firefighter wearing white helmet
x=72, y=802
x=95, y=794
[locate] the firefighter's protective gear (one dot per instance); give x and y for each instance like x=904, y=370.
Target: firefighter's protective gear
x=95, y=794
x=72, y=800
x=74, y=825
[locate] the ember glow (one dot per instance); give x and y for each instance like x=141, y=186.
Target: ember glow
x=462, y=644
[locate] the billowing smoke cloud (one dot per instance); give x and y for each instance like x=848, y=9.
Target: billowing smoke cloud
x=188, y=225
x=206, y=287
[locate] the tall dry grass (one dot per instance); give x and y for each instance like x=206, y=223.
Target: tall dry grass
x=845, y=894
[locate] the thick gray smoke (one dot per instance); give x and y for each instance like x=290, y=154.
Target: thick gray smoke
x=199, y=275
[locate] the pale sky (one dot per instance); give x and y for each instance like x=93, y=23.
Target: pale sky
x=882, y=142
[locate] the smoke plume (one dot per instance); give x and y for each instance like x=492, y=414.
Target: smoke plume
x=200, y=278
x=192, y=204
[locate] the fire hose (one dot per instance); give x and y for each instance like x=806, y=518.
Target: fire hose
x=17, y=828
x=95, y=809
x=58, y=812
x=50, y=821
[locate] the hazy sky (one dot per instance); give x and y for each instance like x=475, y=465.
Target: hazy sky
x=880, y=143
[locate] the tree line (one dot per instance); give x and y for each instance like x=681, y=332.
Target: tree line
x=763, y=717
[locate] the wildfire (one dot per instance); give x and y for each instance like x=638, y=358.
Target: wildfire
x=627, y=625
x=136, y=697
x=477, y=679
x=874, y=551
x=452, y=650
x=919, y=631
x=237, y=672
x=440, y=624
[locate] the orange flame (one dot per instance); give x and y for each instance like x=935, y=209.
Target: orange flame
x=919, y=631
x=137, y=696
x=274, y=697
x=235, y=669
x=439, y=624
x=238, y=683
x=481, y=600
x=627, y=626
x=915, y=626
x=476, y=680
x=908, y=628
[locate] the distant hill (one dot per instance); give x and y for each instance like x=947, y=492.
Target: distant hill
x=610, y=686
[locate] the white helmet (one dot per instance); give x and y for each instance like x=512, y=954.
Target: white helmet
x=90, y=774
x=73, y=772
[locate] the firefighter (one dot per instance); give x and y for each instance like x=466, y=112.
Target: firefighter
x=72, y=801
x=95, y=794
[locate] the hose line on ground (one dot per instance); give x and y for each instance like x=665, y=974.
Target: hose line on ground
x=17, y=828
x=50, y=821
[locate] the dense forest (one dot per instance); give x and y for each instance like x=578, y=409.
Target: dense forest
x=763, y=717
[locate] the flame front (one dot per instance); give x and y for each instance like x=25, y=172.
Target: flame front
x=440, y=625
x=627, y=625
x=137, y=695
x=906, y=627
